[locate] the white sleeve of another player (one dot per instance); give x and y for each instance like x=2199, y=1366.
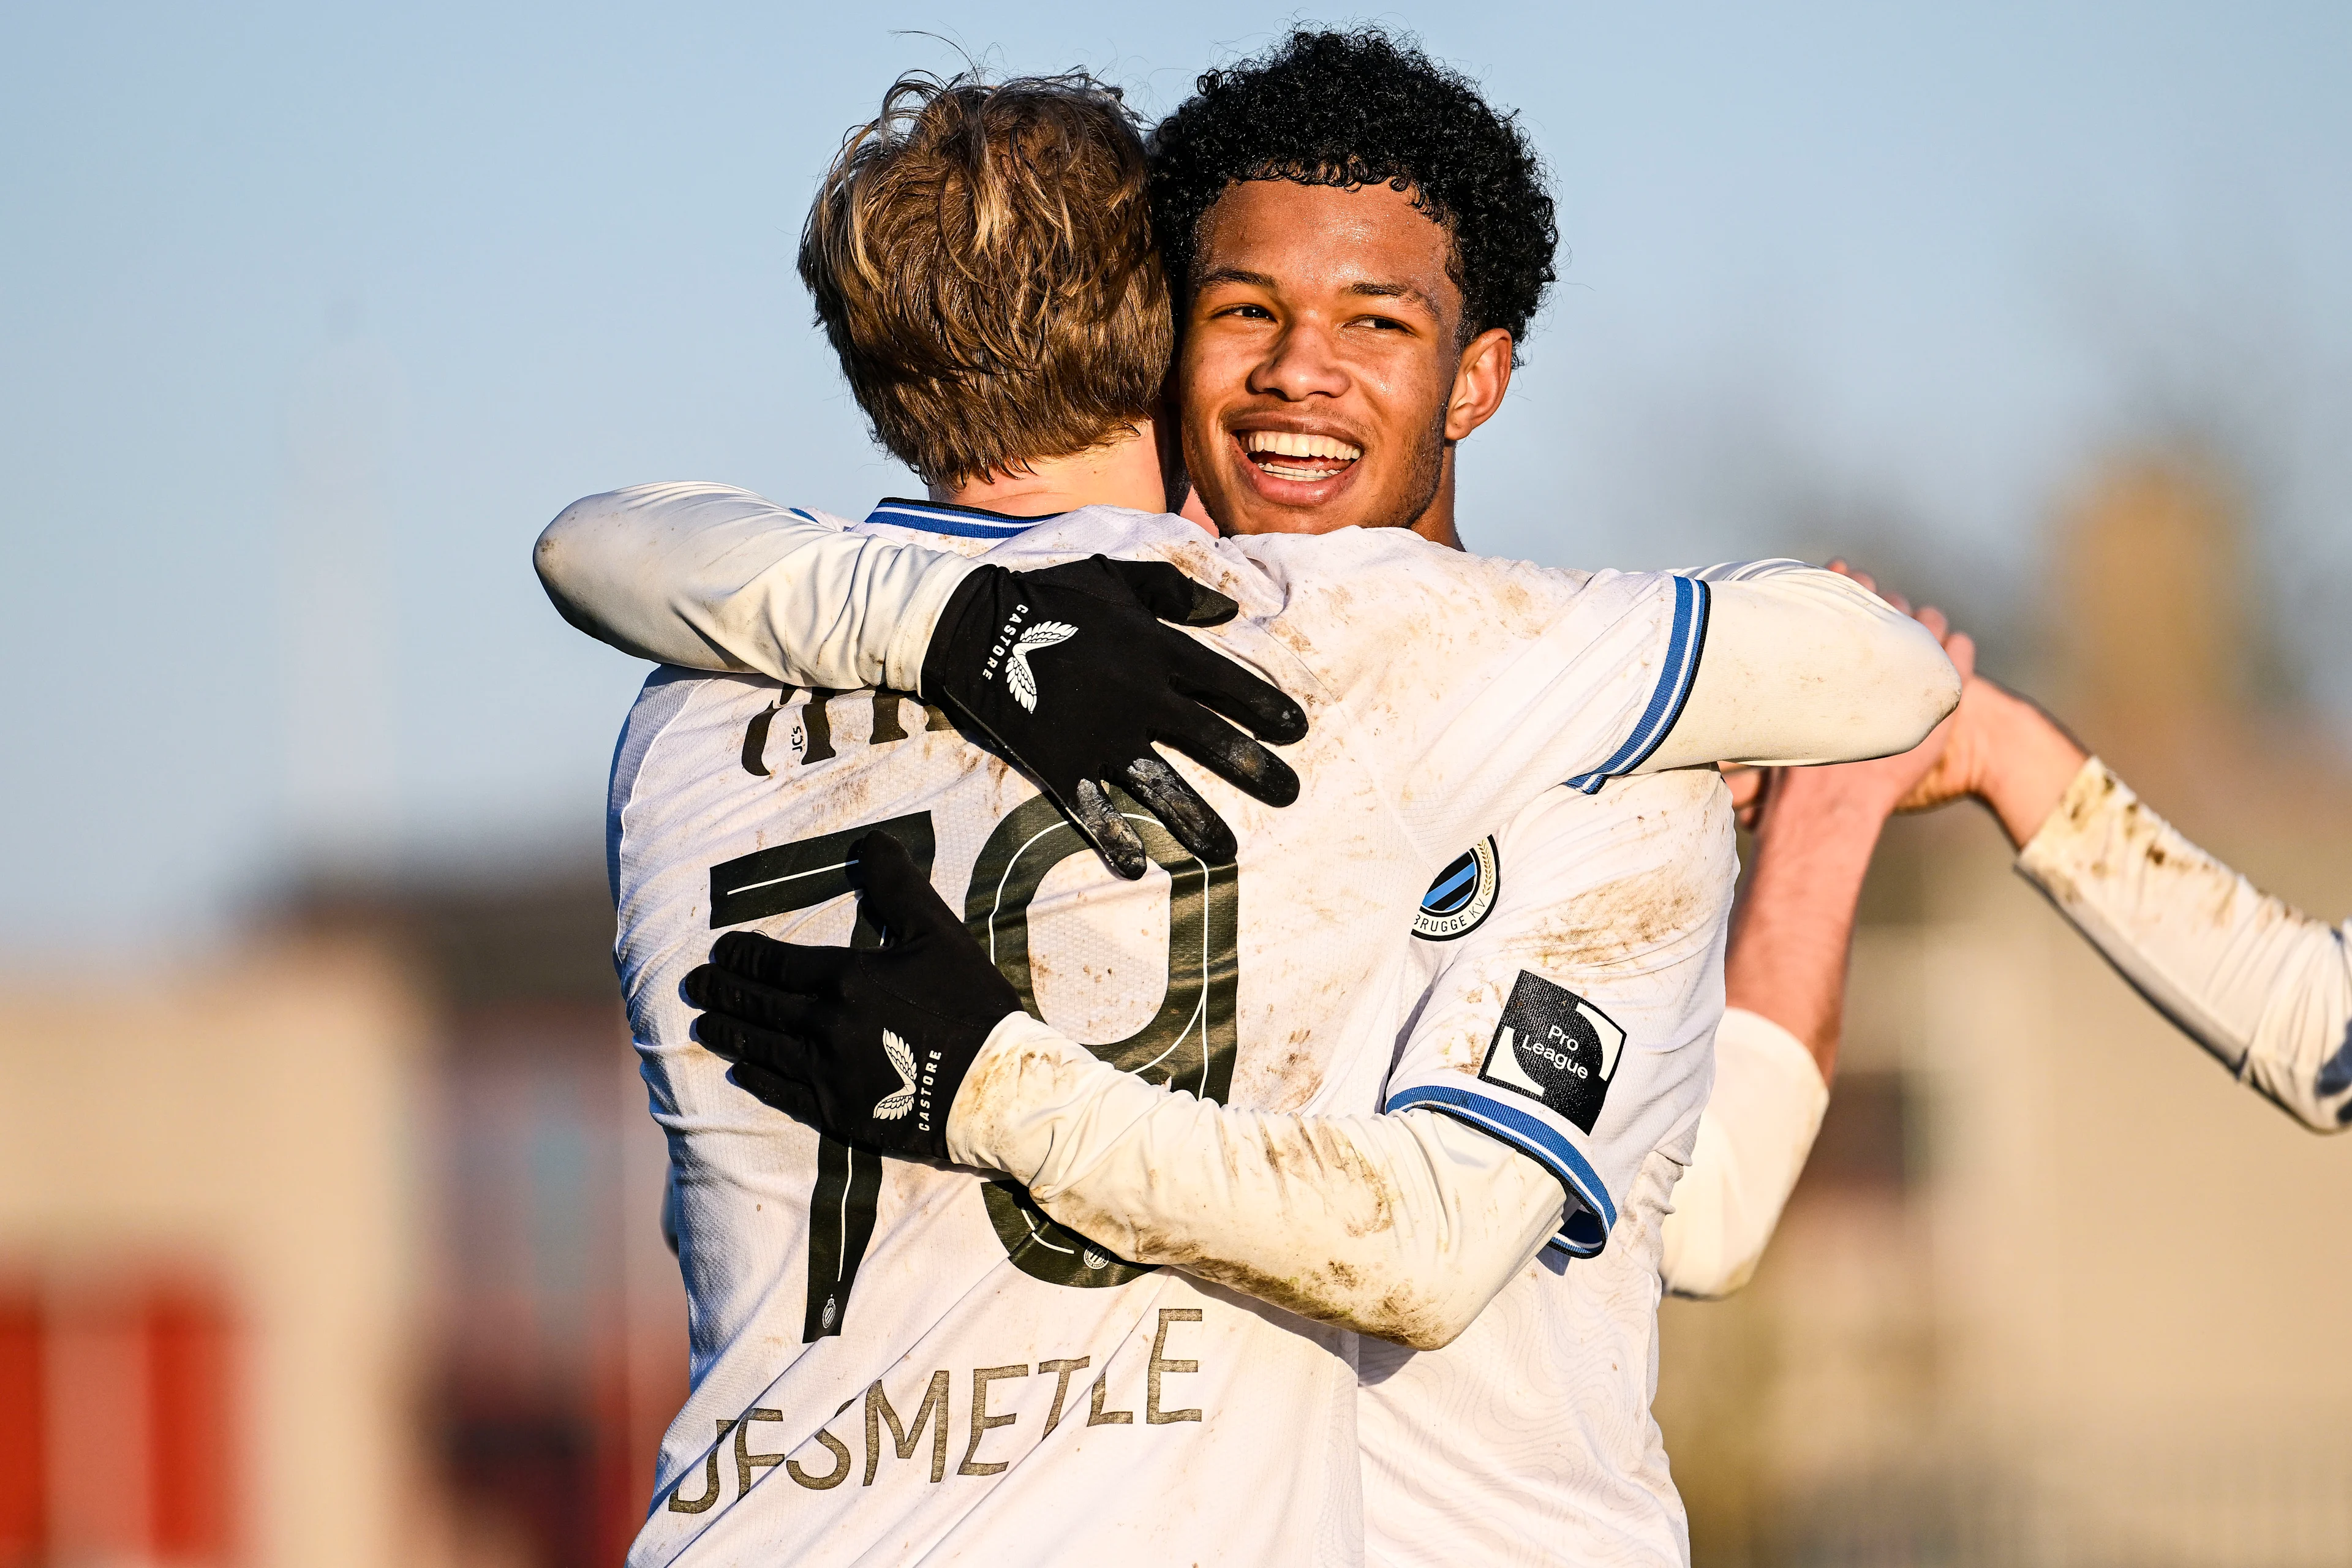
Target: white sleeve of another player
x=1402, y=1227
x=1804, y=665
x=713, y=577
x=2263, y=987
x=1758, y=1127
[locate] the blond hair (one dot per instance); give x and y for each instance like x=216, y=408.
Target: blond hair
x=981, y=259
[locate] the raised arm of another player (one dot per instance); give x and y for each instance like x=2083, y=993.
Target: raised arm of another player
x=2264, y=988
x=1761, y=1118
x=1816, y=830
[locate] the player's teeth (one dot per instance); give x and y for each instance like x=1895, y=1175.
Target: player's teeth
x=1292, y=443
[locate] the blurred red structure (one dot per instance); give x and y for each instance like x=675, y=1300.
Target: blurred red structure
x=117, y=1429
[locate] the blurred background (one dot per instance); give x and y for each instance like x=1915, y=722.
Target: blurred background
x=328, y=1201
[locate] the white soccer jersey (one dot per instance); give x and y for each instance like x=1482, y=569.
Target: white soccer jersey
x=896, y=1361
x=1575, y=966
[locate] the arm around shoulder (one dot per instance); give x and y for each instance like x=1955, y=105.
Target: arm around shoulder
x=1802, y=666
x=712, y=577
x=1403, y=1227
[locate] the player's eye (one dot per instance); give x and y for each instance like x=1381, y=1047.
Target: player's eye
x=1244, y=312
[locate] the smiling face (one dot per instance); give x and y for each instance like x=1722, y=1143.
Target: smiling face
x=1322, y=374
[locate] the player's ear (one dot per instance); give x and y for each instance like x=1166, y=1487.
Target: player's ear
x=1481, y=377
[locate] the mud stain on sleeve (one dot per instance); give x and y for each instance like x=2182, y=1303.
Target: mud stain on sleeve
x=2105, y=848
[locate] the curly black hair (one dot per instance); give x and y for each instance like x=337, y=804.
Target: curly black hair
x=1358, y=108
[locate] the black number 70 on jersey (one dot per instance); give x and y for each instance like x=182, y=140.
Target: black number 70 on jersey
x=1188, y=1044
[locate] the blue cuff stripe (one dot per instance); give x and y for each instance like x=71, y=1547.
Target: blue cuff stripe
x=956, y=524
x=1535, y=1138
x=1685, y=641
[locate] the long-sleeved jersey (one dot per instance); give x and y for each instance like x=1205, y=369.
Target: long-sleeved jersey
x=2266, y=989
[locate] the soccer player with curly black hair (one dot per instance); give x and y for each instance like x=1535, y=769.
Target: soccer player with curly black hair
x=1361, y=109
x=1359, y=242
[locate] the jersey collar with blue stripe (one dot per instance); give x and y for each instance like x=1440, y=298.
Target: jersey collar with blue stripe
x=947, y=517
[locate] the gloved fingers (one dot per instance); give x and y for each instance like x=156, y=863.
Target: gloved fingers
x=717, y=990
x=1196, y=826
x=736, y=1041
x=1099, y=823
x=789, y=1095
x=1215, y=681
x=1169, y=593
x=1230, y=754
x=898, y=899
x=785, y=964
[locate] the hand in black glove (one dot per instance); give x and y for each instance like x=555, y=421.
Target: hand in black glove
x=875, y=1041
x=1069, y=671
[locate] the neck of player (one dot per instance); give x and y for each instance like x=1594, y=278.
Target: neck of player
x=1123, y=471
x=1437, y=521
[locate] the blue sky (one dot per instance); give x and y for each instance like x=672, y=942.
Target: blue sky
x=331, y=306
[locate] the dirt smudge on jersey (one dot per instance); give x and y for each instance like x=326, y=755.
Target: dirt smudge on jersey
x=1625, y=919
x=2093, y=849
x=1289, y=1079
x=1323, y=1156
x=985, y=1116
x=1321, y=1293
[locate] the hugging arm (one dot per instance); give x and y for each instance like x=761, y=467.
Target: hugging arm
x=1770, y=661
x=715, y=578
x=1400, y=1226
x=1805, y=665
x=699, y=575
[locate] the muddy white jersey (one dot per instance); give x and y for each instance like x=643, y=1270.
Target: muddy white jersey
x=899, y=1362
x=1575, y=981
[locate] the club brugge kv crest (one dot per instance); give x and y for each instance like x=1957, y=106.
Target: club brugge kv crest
x=1554, y=1046
x=1462, y=895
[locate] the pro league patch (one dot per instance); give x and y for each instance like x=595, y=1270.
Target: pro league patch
x=1555, y=1046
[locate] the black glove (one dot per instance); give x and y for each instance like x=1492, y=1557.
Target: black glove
x=874, y=1041
x=1069, y=672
